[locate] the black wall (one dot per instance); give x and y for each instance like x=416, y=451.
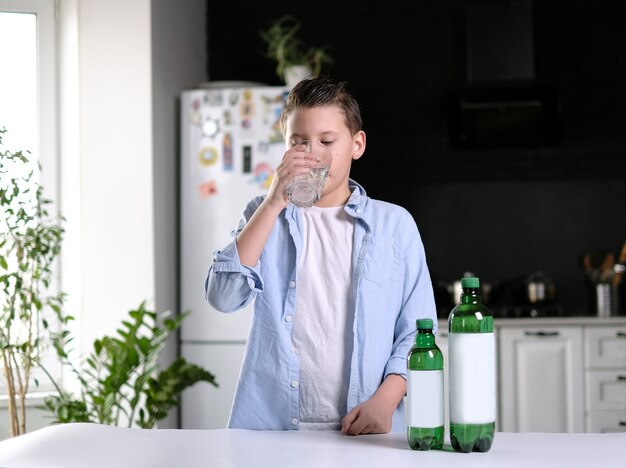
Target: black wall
x=501, y=212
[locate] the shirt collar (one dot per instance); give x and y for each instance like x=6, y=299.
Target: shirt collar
x=357, y=203
x=358, y=197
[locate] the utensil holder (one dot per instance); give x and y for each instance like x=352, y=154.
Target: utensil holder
x=606, y=300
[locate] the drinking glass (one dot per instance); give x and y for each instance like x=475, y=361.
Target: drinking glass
x=306, y=189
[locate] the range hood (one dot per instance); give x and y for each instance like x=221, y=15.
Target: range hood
x=501, y=104
x=499, y=44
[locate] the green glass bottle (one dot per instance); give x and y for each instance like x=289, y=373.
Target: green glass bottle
x=472, y=375
x=425, y=390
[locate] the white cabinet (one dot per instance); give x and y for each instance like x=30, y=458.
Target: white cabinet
x=606, y=347
x=606, y=421
x=606, y=389
x=541, y=379
x=605, y=373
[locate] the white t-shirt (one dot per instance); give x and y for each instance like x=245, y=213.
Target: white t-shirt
x=322, y=329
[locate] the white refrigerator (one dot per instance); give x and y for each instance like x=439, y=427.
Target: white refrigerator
x=230, y=144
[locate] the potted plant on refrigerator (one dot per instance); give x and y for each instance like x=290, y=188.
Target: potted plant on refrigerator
x=30, y=241
x=294, y=59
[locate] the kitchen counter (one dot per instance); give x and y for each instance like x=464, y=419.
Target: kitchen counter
x=582, y=320
x=553, y=321
x=95, y=446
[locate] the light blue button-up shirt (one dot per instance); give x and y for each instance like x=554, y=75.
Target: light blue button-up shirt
x=392, y=290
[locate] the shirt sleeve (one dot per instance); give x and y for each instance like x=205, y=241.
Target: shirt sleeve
x=230, y=285
x=417, y=297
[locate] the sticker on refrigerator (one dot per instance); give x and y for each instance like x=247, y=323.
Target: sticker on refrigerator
x=227, y=118
x=272, y=107
x=195, y=118
x=263, y=175
x=276, y=136
x=214, y=98
x=263, y=147
x=208, y=156
x=196, y=115
x=272, y=110
x=233, y=98
x=210, y=127
x=247, y=109
x=207, y=189
x=227, y=152
x=247, y=159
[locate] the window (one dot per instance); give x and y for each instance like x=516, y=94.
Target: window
x=28, y=82
x=28, y=102
x=18, y=84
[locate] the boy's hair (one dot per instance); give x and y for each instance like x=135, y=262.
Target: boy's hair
x=322, y=91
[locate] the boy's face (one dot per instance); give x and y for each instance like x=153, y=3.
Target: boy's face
x=327, y=124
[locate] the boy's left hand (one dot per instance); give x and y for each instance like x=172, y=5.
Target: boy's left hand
x=374, y=416
x=370, y=417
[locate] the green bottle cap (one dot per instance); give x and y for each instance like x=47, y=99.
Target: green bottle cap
x=425, y=324
x=470, y=282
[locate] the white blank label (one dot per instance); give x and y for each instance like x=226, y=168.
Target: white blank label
x=472, y=358
x=425, y=398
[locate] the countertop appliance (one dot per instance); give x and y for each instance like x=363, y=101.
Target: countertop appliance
x=230, y=144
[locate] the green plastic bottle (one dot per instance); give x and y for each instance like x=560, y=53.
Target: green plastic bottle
x=472, y=375
x=425, y=390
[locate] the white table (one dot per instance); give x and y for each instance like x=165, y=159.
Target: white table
x=95, y=446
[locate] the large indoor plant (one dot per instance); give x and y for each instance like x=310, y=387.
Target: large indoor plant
x=294, y=59
x=120, y=381
x=30, y=241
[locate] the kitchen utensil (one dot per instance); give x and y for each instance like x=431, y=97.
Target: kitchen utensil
x=606, y=300
x=619, y=268
x=606, y=268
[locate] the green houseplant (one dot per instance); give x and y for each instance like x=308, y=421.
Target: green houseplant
x=30, y=241
x=120, y=380
x=289, y=51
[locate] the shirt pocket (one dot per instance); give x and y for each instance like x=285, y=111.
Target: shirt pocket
x=382, y=260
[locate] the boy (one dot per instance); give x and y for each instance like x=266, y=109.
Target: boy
x=338, y=286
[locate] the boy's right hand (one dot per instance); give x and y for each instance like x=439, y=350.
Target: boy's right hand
x=295, y=162
x=251, y=240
